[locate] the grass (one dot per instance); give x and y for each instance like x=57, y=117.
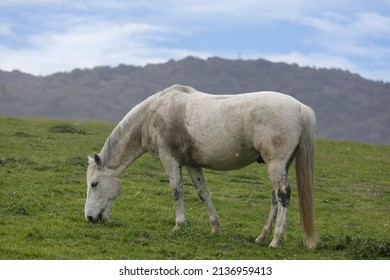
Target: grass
x=42, y=195
x=66, y=128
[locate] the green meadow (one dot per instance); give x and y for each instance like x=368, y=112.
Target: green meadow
x=43, y=189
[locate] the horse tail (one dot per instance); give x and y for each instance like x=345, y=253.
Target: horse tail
x=305, y=174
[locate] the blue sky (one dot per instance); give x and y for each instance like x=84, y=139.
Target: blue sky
x=47, y=36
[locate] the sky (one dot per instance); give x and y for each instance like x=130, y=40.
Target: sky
x=43, y=37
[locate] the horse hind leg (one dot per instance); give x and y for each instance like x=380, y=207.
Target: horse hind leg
x=267, y=229
x=283, y=197
x=200, y=185
x=280, y=201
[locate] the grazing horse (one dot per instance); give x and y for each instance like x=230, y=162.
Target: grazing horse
x=183, y=127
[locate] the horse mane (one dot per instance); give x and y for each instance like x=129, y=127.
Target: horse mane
x=124, y=126
x=133, y=116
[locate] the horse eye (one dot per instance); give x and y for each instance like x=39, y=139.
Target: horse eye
x=94, y=184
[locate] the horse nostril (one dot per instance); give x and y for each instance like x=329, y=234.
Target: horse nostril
x=90, y=219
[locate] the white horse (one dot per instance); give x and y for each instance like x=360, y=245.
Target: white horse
x=184, y=127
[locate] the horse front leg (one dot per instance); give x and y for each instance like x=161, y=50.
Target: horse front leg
x=178, y=196
x=200, y=185
x=173, y=170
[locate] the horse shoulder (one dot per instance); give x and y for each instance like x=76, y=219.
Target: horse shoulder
x=164, y=125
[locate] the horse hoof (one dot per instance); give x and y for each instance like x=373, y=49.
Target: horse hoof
x=176, y=229
x=179, y=227
x=261, y=239
x=275, y=243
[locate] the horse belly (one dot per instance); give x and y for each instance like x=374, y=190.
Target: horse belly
x=229, y=161
x=224, y=155
x=222, y=142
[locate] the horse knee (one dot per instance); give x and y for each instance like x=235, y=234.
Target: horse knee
x=177, y=190
x=204, y=195
x=177, y=194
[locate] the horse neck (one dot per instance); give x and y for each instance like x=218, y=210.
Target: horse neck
x=123, y=146
x=118, y=154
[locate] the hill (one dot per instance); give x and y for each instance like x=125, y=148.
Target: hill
x=42, y=195
x=348, y=107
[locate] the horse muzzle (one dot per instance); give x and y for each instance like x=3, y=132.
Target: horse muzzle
x=99, y=219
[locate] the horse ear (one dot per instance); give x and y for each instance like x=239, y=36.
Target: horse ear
x=97, y=160
x=90, y=160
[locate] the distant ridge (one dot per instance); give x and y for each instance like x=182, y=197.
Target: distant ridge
x=348, y=107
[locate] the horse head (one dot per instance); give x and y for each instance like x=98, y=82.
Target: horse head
x=103, y=187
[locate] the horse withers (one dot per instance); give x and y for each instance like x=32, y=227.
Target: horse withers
x=183, y=127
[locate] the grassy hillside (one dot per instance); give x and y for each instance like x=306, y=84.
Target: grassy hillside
x=42, y=194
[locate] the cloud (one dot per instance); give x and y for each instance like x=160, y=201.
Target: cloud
x=89, y=45
x=372, y=25
x=46, y=36
x=374, y=71
x=354, y=26
x=5, y=29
